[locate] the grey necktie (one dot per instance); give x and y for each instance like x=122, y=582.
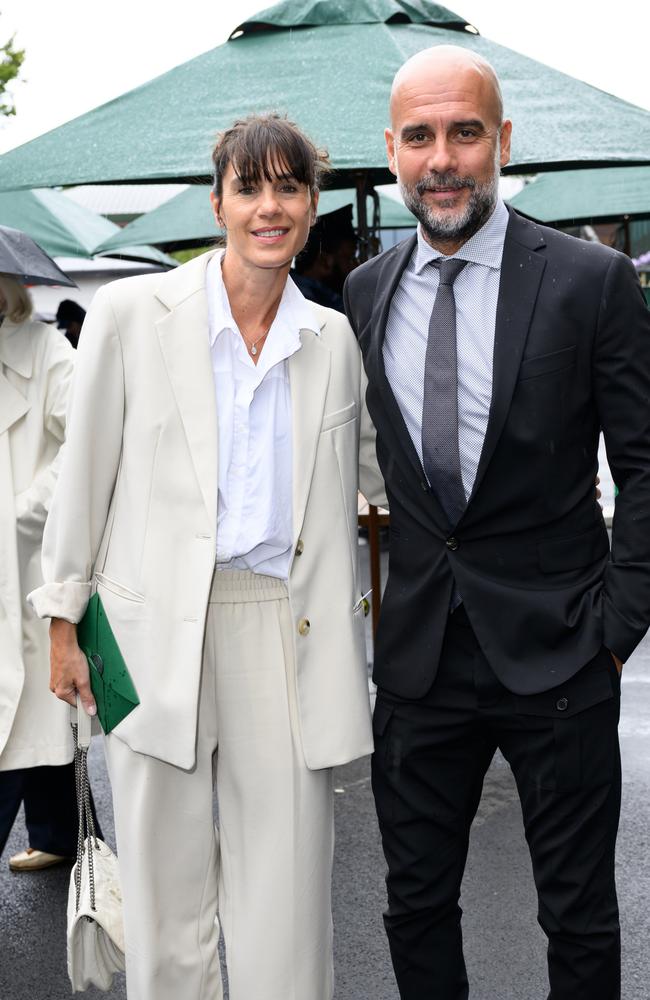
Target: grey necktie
x=440, y=452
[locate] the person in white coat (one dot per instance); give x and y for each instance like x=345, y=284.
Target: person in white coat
x=36, y=364
x=209, y=494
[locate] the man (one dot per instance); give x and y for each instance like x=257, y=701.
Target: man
x=496, y=350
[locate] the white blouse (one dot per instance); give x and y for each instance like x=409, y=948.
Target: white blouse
x=254, y=507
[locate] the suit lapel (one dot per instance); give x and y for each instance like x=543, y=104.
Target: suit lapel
x=387, y=282
x=394, y=430
x=309, y=373
x=185, y=345
x=521, y=275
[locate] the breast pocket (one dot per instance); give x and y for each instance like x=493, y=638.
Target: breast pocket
x=542, y=401
x=547, y=364
x=339, y=417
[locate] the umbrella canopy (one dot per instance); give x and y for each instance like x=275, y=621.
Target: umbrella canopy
x=65, y=229
x=187, y=220
x=329, y=66
x=23, y=259
x=576, y=197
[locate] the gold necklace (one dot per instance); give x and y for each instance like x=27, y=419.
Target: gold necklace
x=252, y=348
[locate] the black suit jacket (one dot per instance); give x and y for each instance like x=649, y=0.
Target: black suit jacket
x=530, y=555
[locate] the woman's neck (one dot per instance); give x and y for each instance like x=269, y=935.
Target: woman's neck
x=254, y=294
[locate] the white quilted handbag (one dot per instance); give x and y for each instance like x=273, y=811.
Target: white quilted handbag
x=95, y=930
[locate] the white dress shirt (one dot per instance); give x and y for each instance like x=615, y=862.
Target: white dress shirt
x=254, y=506
x=476, y=291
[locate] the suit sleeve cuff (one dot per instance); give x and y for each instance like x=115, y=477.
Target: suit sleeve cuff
x=620, y=635
x=61, y=600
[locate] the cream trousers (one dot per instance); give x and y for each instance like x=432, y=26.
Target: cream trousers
x=264, y=875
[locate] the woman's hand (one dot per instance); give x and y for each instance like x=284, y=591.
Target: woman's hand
x=69, y=672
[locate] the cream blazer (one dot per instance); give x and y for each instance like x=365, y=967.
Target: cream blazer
x=135, y=511
x=36, y=364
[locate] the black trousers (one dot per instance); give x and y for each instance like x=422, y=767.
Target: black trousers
x=430, y=759
x=50, y=807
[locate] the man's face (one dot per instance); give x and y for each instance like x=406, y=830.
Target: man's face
x=446, y=147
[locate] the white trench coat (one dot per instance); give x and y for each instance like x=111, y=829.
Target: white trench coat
x=36, y=364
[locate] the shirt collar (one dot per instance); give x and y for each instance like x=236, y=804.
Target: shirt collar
x=295, y=313
x=484, y=247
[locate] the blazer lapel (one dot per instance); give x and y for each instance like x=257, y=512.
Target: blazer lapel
x=521, y=275
x=309, y=373
x=185, y=345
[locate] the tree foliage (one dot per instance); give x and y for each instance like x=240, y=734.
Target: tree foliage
x=11, y=59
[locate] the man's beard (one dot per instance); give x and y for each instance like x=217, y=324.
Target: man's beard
x=443, y=227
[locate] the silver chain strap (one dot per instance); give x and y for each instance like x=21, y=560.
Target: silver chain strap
x=86, y=821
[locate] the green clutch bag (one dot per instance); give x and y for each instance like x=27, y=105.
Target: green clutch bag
x=110, y=680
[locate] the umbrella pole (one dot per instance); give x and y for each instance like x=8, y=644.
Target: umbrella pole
x=366, y=232
x=362, y=217
x=627, y=244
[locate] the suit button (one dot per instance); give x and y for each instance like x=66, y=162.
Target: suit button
x=452, y=543
x=562, y=704
x=425, y=486
x=304, y=626
x=300, y=547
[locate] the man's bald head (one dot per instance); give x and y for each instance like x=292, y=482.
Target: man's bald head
x=448, y=141
x=445, y=65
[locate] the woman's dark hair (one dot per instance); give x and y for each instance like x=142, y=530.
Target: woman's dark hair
x=268, y=146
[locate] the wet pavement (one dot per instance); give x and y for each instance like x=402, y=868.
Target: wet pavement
x=504, y=946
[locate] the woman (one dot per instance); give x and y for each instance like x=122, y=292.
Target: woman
x=209, y=493
x=35, y=743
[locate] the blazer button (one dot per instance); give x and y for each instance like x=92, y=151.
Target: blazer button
x=562, y=704
x=452, y=543
x=304, y=626
x=300, y=547
x=425, y=486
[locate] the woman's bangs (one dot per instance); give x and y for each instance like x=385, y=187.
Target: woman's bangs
x=263, y=156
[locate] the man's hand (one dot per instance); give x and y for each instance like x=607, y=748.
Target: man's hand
x=618, y=663
x=69, y=672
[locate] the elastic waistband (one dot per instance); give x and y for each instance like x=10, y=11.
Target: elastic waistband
x=237, y=586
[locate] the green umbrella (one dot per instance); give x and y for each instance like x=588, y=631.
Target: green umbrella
x=329, y=66
x=65, y=229
x=186, y=220
x=575, y=197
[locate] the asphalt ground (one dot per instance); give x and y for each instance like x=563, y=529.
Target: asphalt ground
x=504, y=946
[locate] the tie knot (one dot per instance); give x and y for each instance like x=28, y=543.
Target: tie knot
x=449, y=269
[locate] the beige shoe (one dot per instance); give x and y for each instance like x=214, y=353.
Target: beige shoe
x=31, y=860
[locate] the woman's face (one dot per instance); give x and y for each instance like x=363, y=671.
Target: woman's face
x=267, y=222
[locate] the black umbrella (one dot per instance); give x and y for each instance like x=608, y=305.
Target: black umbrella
x=23, y=259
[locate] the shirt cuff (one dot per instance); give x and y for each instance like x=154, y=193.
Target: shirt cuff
x=61, y=600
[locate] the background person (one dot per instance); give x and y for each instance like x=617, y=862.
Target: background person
x=500, y=349
x=219, y=528
x=36, y=750
x=330, y=254
x=70, y=317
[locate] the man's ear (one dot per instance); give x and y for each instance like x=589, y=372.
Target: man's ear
x=390, y=150
x=506, y=135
